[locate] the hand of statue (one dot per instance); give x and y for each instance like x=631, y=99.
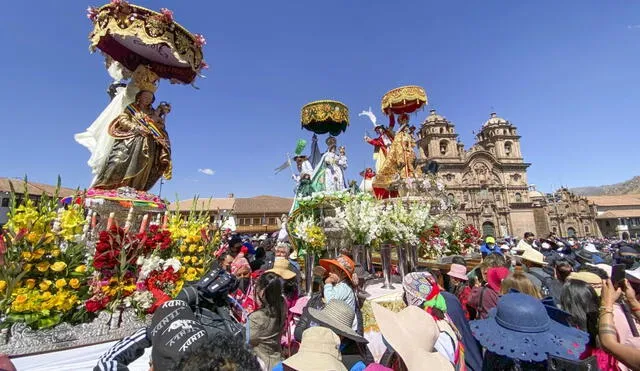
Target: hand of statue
x=366, y=138
x=142, y=130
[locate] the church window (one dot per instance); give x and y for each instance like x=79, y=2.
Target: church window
x=518, y=197
x=571, y=232
x=483, y=194
x=507, y=148
x=5, y=202
x=256, y=221
x=451, y=197
x=441, y=130
x=466, y=197
x=488, y=229
x=586, y=229
x=443, y=147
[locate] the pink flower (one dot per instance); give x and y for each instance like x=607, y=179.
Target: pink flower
x=168, y=14
x=118, y=2
x=92, y=13
x=200, y=40
x=204, y=65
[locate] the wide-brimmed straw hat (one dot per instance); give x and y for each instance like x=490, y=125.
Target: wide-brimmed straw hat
x=338, y=316
x=458, y=271
x=342, y=261
x=533, y=256
x=591, y=278
x=412, y=333
x=520, y=328
x=319, y=351
x=281, y=268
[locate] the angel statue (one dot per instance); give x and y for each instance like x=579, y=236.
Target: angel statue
x=382, y=142
x=128, y=142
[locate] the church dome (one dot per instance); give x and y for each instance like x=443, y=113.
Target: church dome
x=434, y=118
x=494, y=120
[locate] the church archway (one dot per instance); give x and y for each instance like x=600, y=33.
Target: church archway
x=571, y=232
x=488, y=229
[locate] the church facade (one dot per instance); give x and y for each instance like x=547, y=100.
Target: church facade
x=489, y=182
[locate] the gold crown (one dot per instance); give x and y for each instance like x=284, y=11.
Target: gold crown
x=145, y=79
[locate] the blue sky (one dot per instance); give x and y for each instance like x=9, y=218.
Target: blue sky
x=564, y=72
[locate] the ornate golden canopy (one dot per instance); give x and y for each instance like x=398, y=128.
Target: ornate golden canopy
x=405, y=99
x=325, y=116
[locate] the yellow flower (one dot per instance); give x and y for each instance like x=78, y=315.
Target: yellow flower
x=46, y=295
x=193, y=248
x=55, y=253
x=30, y=283
x=27, y=267
x=186, y=259
x=33, y=237
x=3, y=285
x=81, y=269
x=191, y=271
x=61, y=283
x=21, y=299
x=182, y=248
x=44, y=285
x=200, y=248
x=200, y=261
x=26, y=255
x=194, y=259
x=200, y=271
x=58, y=266
x=74, y=283
x=38, y=253
x=43, y=266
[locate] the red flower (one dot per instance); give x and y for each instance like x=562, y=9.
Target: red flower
x=94, y=305
x=168, y=14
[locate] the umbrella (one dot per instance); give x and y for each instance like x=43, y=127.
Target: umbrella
x=404, y=100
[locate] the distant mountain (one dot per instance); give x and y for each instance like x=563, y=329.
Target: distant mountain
x=631, y=186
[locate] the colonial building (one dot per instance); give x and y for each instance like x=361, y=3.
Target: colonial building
x=261, y=214
x=618, y=216
x=489, y=182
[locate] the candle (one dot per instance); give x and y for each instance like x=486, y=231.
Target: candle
x=143, y=225
x=165, y=220
x=128, y=222
x=110, y=220
x=94, y=220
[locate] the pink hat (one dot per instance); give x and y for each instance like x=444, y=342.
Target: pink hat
x=458, y=271
x=377, y=367
x=299, y=305
x=495, y=277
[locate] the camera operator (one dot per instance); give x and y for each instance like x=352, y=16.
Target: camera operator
x=201, y=310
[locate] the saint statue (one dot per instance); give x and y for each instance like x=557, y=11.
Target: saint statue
x=131, y=149
x=400, y=160
x=382, y=142
x=329, y=175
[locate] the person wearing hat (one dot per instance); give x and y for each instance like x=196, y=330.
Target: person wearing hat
x=459, y=285
x=484, y=298
x=422, y=290
x=533, y=265
x=489, y=247
x=319, y=351
x=338, y=284
x=338, y=316
x=303, y=165
x=412, y=333
x=381, y=145
x=519, y=332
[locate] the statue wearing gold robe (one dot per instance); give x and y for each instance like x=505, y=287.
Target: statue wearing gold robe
x=399, y=163
x=141, y=152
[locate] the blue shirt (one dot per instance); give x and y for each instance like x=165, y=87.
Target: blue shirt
x=485, y=250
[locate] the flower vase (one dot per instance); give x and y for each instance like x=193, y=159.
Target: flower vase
x=358, y=252
x=402, y=260
x=309, y=262
x=385, y=256
x=369, y=260
x=114, y=322
x=412, y=258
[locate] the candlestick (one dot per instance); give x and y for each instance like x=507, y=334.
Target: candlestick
x=165, y=220
x=110, y=220
x=143, y=225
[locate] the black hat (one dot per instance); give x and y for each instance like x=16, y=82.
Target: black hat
x=174, y=330
x=584, y=256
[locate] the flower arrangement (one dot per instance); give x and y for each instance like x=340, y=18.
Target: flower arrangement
x=192, y=245
x=158, y=281
x=360, y=216
x=42, y=280
x=460, y=241
x=310, y=234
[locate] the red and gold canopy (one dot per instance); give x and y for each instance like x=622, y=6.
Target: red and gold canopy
x=133, y=36
x=405, y=99
x=325, y=116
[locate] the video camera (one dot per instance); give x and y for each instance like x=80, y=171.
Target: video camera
x=209, y=300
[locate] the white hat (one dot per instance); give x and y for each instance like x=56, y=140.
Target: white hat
x=533, y=256
x=590, y=247
x=319, y=351
x=412, y=333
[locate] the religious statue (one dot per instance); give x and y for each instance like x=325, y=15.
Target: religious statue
x=304, y=167
x=368, y=175
x=131, y=149
x=343, y=163
x=400, y=162
x=328, y=175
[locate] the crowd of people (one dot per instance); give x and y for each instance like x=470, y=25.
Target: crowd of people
x=537, y=304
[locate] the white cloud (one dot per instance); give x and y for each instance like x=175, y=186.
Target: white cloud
x=633, y=26
x=206, y=171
